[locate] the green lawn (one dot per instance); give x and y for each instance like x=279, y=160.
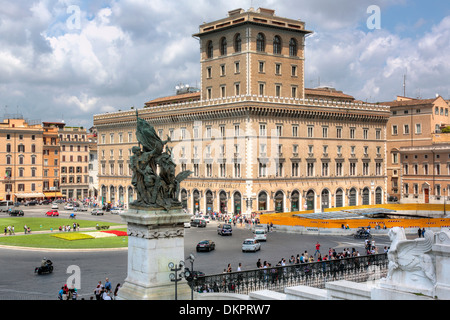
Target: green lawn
x=36, y=240
x=48, y=241
x=46, y=223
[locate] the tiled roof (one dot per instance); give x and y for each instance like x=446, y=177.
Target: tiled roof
x=185, y=96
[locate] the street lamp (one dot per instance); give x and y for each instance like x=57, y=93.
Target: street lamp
x=190, y=278
x=175, y=277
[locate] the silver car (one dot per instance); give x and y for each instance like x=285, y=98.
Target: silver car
x=251, y=245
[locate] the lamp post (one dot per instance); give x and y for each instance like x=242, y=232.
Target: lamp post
x=175, y=277
x=190, y=278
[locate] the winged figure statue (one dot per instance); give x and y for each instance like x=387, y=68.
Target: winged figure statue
x=153, y=189
x=411, y=256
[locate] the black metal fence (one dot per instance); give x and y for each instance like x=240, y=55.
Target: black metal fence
x=314, y=274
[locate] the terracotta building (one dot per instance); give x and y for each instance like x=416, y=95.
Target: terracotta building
x=51, y=161
x=256, y=139
x=21, y=166
x=418, y=160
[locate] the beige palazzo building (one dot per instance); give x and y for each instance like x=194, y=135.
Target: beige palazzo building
x=21, y=157
x=254, y=137
x=418, y=157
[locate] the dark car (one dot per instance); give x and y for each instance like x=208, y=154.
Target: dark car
x=31, y=203
x=16, y=213
x=392, y=199
x=198, y=223
x=206, y=245
x=225, y=229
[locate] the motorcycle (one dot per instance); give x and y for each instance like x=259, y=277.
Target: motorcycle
x=47, y=268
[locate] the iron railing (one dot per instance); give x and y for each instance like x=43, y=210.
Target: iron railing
x=314, y=274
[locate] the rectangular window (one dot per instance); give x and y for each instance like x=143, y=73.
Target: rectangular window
x=278, y=69
x=310, y=131
x=293, y=71
x=295, y=131
x=237, y=67
x=278, y=91
x=262, y=89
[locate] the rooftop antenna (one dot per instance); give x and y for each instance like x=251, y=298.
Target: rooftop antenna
x=404, y=85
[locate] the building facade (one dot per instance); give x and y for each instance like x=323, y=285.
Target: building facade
x=51, y=170
x=74, y=162
x=254, y=140
x=21, y=159
x=413, y=135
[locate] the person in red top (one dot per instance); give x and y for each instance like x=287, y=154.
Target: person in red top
x=317, y=249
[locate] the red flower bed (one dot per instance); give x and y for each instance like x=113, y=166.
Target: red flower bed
x=117, y=233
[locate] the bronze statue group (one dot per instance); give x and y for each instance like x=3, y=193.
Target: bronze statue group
x=154, y=189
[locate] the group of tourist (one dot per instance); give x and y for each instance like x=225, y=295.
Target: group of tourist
x=74, y=227
x=101, y=292
x=9, y=230
x=305, y=257
x=105, y=292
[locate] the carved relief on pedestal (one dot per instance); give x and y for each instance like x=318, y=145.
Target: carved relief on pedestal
x=411, y=262
x=150, y=233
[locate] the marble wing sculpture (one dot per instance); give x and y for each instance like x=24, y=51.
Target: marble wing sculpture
x=411, y=255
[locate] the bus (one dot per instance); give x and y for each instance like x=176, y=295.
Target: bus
x=6, y=205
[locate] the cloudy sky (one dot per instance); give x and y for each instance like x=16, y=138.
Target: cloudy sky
x=70, y=59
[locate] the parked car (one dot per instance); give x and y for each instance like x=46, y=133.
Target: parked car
x=81, y=208
x=68, y=207
x=251, y=245
x=201, y=223
x=225, y=229
x=16, y=213
x=260, y=234
x=97, y=212
x=31, y=203
x=55, y=206
x=206, y=245
x=187, y=224
x=52, y=213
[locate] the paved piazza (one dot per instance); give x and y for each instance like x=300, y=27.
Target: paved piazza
x=19, y=282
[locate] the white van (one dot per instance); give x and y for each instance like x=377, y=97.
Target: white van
x=260, y=234
x=6, y=205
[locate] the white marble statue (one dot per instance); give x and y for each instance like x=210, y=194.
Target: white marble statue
x=410, y=261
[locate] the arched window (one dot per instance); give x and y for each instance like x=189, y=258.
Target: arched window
x=260, y=43
x=209, y=50
x=223, y=46
x=277, y=45
x=237, y=43
x=293, y=48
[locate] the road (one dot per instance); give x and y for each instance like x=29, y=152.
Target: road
x=19, y=282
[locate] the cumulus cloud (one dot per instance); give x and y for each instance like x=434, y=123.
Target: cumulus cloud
x=127, y=52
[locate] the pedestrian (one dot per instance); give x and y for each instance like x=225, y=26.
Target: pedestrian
x=258, y=264
x=116, y=291
x=419, y=232
x=317, y=249
x=239, y=268
x=98, y=291
x=108, y=284
x=60, y=293
x=423, y=232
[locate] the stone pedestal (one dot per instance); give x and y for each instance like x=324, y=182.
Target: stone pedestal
x=155, y=238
